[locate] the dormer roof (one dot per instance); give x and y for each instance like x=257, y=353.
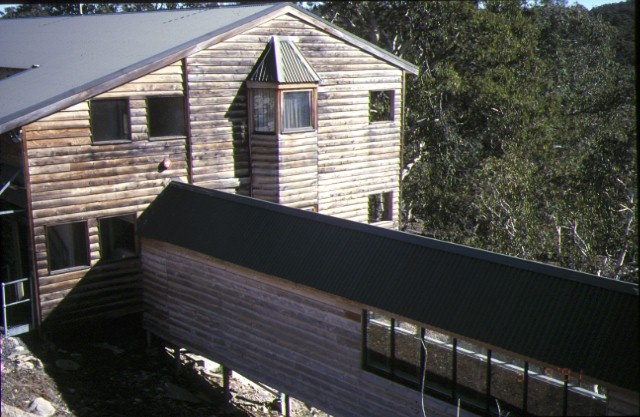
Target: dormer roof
x=282, y=62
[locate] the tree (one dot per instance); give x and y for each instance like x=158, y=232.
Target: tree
x=520, y=127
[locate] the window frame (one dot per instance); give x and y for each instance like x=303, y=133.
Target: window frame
x=311, y=107
x=101, y=237
x=125, y=126
x=387, y=117
x=279, y=91
x=170, y=135
x=383, y=203
x=50, y=247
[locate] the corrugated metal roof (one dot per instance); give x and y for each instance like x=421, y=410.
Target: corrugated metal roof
x=282, y=62
x=66, y=56
x=554, y=315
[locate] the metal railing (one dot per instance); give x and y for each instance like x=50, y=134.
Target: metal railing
x=17, y=299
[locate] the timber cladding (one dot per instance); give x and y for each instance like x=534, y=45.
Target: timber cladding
x=333, y=169
x=295, y=339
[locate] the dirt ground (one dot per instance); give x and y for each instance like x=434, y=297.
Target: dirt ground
x=109, y=370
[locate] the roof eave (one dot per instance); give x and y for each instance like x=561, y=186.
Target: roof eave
x=122, y=76
x=342, y=34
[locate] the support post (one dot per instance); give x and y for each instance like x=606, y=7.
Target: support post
x=285, y=405
x=226, y=382
x=176, y=358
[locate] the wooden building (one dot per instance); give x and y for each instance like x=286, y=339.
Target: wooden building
x=99, y=112
x=358, y=320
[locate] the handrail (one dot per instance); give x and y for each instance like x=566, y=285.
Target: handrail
x=5, y=305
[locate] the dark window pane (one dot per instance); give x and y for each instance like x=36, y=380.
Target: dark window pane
x=507, y=381
x=67, y=246
x=472, y=373
x=439, y=355
x=545, y=391
x=585, y=398
x=296, y=113
x=264, y=104
x=378, y=342
x=109, y=120
x=380, y=207
x=380, y=106
x=165, y=116
x=407, y=351
x=117, y=238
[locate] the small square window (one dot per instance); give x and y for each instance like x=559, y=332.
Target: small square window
x=296, y=112
x=264, y=105
x=117, y=238
x=380, y=207
x=109, y=120
x=67, y=246
x=165, y=116
x=381, y=106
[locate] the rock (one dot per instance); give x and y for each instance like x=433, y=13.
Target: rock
x=11, y=411
x=67, y=365
x=42, y=407
x=177, y=393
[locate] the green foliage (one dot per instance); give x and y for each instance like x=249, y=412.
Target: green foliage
x=520, y=128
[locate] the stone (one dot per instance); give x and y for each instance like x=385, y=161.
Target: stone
x=42, y=407
x=11, y=411
x=67, y=365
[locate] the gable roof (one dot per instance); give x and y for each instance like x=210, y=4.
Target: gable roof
x=68, y=59
x=554, y=315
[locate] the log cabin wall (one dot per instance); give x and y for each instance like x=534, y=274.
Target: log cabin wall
x=297, y=340
x=71, y=179
x=355, y=158
x=333, y=170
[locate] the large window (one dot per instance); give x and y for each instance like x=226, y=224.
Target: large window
x=393, y=348
x=109, y=120
x=281, y=110
x=479, y=379
x=117, y=238
x=165, y=116
x=67, y=246
x=264, y=110
x=296, y=110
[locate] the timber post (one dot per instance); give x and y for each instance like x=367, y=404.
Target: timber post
x=226, y=382
x=285, y=405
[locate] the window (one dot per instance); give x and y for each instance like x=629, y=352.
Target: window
x=484, y=381
x=296, y=112
x=165, y=116
x=109, y=120
x=380, y=207
x=264, y=105
x=393, y=348
x=381, y=106
x=67, y=246
x=117, y=238
x=471, y=373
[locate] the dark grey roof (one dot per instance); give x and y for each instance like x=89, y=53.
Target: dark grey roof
x=554, y=315
x=71, y=58
x=282, y=62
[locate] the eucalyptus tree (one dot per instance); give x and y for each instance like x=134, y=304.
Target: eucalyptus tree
x=520, y=127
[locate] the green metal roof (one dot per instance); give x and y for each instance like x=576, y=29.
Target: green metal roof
x=550, y=314
x=282, y=62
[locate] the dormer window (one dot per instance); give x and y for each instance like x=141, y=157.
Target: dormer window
x=282, y=90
